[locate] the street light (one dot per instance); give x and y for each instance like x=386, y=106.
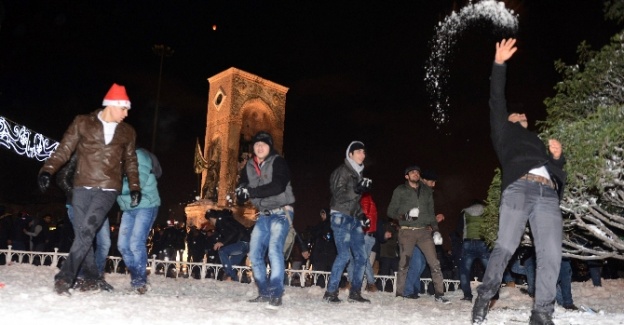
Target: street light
x=162, y=51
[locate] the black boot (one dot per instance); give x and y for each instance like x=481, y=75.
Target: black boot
x=356, y=296
x=480, y=310
x=331, y=297
x=540, y=318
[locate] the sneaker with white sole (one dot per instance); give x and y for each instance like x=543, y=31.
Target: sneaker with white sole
x=442, y=300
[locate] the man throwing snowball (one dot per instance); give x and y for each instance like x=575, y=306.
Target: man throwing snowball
x=532, y=178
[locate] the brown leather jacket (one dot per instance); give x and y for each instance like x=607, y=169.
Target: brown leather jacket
x=100, y=165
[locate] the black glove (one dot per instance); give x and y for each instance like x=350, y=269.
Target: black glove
x=363, y=186
x=242, y=195
x=135, y=198
x=44, y=181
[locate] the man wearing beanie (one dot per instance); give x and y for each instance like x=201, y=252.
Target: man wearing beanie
x=265, y=180
x=347, y=186
x=412, y=206
x=105, y=150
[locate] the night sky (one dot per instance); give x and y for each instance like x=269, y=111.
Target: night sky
x=354, y=71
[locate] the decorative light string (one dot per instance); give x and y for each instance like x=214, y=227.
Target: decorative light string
x=24, y=141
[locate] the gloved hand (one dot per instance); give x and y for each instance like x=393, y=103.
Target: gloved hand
x=135, y=198
x=412, y=214
x=437, y=238
x=44, y=181
x=242, y=194
x=364, y=185
x=365, y=220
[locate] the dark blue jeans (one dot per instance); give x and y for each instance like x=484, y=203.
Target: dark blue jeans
x=233, y=254
x=417, y=265
x=268, y=236
x=564, y=287
x=133, y=231
x=349, y=238
x=471, y=250
x=527, y=268
x=90, y=209
x=538, y=204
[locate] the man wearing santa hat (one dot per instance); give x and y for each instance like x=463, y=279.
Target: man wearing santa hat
x=105, y=150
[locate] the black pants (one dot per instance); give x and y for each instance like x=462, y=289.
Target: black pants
x=90, y=209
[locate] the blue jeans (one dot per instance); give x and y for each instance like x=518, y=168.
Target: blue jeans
x=102, y=242
x=417, y=265
x=269, y=234
x=595, y=271
x=233, y=254
x=369, y=242
x=133, y=231
x=471, y=250
x=349, y=239
x=538, y=204
x=527, y=268
x=90, y=207
x=564, y=287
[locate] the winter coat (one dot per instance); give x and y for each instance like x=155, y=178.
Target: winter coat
x=149, y=185
x=268, y=183
x=405, y=197
x=342, y=184
x=99, y=165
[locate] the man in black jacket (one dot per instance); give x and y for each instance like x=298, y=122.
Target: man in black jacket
x=232, y=241
x=531, y=178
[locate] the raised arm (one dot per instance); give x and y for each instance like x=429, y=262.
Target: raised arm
x=505, y=49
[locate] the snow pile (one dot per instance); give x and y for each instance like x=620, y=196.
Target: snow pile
x=27, y=298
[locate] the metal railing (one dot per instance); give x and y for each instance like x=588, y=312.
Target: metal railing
x=203, y=270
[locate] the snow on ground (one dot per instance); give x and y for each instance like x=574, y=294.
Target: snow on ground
x=26, y=297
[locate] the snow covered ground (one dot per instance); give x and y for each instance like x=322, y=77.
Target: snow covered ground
x=26, y=297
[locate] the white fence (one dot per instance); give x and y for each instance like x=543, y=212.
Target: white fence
x=201, y=270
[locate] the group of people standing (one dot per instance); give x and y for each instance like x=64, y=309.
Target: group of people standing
x=109, y=168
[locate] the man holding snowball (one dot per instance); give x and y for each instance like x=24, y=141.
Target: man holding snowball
x=412, y=206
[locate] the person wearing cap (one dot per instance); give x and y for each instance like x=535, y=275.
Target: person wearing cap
x=412, y=206
x=347, y=186
x=105, y=148
x=532, y=176
x=265, y=181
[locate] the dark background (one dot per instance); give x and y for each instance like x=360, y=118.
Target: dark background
x=355, y=71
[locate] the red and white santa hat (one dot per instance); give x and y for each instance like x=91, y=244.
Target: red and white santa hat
x=116, y=96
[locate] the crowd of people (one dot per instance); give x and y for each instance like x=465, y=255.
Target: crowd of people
x=98, y=164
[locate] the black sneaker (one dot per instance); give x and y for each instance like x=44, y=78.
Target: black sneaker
x=89, y=285
x=275, y=301
x=331, y=297
x=412, y=296
x=540, y=318
x=61, y=287
x=142, y=289
x=78, y=283
x=356, y=296
x=442, y=299
x=570, y=307
x=260, y=299
x=480, y=310
x=105, y=285
x=466, y=299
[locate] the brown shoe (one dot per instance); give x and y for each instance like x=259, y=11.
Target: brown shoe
x=371, y=288
x=510, y=284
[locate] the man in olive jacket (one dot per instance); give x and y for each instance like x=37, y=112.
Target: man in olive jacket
x=105, y=150
x=412, y=206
